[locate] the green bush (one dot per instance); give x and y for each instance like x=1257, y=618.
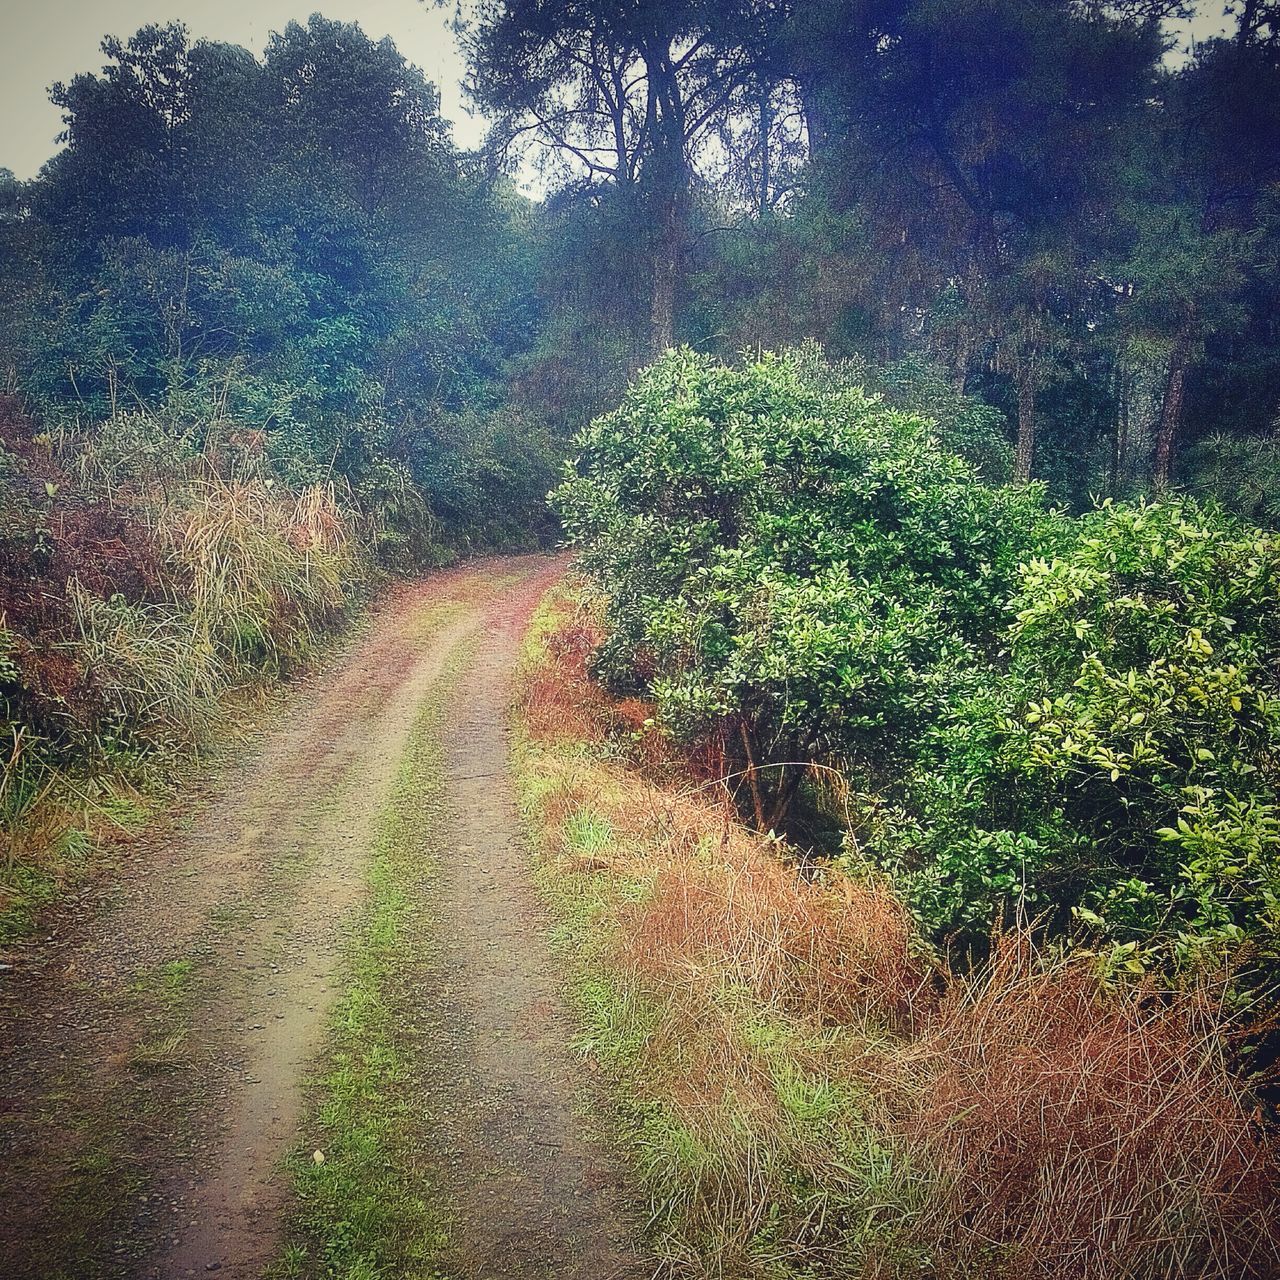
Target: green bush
x=1120, y=771
x=1072, y=720
x=792, y=566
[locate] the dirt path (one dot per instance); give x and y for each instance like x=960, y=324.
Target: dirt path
x=153, y=1056
x=528, y=1184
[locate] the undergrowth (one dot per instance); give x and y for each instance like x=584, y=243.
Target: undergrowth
x=809, y=1091
x=148, y=598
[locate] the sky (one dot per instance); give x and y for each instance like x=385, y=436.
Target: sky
x=43, y=41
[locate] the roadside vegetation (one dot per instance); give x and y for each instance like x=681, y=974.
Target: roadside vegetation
x=809, y=1087
x=1016, y=713
x=152, y=593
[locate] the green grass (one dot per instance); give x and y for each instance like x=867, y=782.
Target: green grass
x=163, y=997
x=367, y=1207
x=29, y=890
x=588, y=833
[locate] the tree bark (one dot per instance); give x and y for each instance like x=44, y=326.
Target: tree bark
x=1171, y=410
x=815, y=122
x=960, y=361
x=668, y=181
x=666, y=269
x=1247, y=21
x=766, y=127
x=1026, y=448
x=1120, y=438
x=757, y=799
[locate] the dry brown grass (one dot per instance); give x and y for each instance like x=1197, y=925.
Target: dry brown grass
x=830, y=953
x=558, y=699
x=1085, y=1133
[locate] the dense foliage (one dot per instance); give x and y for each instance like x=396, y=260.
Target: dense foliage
x=1121, y=761
x=1073, y=718
x=290, y=245
x=1035, y=243
x=1044, y=200
x=800, y=568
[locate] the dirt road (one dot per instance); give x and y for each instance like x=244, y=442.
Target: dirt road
x=155, y=1049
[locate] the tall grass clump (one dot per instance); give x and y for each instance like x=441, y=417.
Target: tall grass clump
x=263, y=573
x=146, y=662
x=1090, y=1133
x=145, y=574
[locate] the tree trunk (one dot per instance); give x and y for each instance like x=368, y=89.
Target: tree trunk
x=1246, y=23
x=666, y=268
x=1171, y=410
x=815, y=122
x=757, y=798
x=766, y=127
x=960, y=361
x=668, y=183
x=1025, y=454
x=1120, y=439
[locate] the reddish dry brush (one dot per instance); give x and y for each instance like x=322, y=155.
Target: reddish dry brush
x=559, y=699
x=1083, y=1133
x=799, y=946
x=562, y=701
x=55, y=533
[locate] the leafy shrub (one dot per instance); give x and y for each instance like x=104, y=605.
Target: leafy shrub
x=1068, y=720
x=1124, y=764
x=792, y=567
x=964, y=425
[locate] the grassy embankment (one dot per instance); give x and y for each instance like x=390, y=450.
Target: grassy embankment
x=153, y=596
x=808, y=1091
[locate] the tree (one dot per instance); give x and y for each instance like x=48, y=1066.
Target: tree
x=1194, y=216
x=794, y=570
x=620, y=95
x=980, y=142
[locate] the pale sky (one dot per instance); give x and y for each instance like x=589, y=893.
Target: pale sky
x=43, y=41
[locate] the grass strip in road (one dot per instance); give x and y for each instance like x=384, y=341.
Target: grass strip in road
x=366, y=1204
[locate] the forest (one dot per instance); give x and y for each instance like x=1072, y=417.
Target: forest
x=900, y=746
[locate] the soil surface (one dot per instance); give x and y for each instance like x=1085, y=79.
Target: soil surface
x=534, y=1196
x=154, y=1047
